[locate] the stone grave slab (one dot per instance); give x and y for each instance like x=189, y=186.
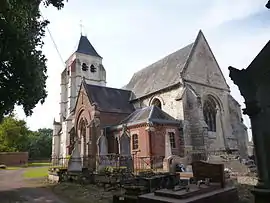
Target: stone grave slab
x=221, y=195
x=208, y=185
x=142, y=185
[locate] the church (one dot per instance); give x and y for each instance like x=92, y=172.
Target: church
x=179, y=105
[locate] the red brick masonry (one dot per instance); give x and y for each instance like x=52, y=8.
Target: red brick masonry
x=13, y=158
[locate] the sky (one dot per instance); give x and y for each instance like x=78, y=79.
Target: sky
x=131, y=35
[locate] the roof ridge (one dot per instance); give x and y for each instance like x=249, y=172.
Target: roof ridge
x=107, y=87
x=151, y=112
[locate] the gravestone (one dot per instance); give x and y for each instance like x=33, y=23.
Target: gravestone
x=102, y=146
x=125, y=158
x=124, y=144
x=75, y=162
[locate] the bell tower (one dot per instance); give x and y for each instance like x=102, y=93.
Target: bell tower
x=85, y=63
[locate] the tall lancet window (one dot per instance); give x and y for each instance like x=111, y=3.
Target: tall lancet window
x=209, y=112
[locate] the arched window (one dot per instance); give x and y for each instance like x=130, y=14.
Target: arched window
x=209, y=112
x=156, y=102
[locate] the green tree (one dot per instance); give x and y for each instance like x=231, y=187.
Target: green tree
x=23, y=70
x=14, y=135
x=41, y=144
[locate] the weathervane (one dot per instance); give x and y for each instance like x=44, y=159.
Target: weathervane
x=81, y=26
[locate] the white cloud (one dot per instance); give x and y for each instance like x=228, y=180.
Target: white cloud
x=221, y=11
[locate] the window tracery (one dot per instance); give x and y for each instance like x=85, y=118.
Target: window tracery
x=209, y=112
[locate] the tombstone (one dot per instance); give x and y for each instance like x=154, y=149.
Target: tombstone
x=125, y=151
x=102, y=146
x=124, y=144
x=75, y=162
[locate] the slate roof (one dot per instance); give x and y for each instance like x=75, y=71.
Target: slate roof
x=150, y=114
x=85, y=47
x=160, y=75
x=109, y=99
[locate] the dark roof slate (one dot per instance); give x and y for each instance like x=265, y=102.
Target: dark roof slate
x=160, y=75
x=109, y=99
x=150, y=114
x=85, y=47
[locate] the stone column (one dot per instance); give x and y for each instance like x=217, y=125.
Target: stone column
x=254, y=85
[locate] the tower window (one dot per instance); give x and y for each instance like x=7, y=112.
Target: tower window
x=135, y=141
x=84, y=67
x=156, y=102
x=93, y=69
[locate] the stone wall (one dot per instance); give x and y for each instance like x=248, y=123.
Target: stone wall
x=195, y=129
x=239, y=129
x=13, y=158
x=169, y=101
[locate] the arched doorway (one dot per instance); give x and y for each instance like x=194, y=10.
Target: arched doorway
x=209, y=113
x=156, y=102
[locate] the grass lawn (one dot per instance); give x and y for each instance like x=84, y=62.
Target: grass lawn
x=38, y=164
x=36, y=172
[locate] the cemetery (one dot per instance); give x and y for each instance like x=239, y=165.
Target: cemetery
x=199, y=181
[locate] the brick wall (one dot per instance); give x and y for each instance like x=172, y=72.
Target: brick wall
x=156, y=138
x=13, y=158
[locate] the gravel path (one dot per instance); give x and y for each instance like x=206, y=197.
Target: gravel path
x=15, y=189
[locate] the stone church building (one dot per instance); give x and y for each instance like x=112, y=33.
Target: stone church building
x=180, y=104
